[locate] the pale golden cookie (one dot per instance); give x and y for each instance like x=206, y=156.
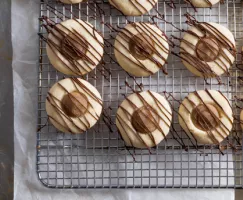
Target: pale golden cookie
x=206, y=116
x=133, y=7
x=141, y=49
x=73, y=105
x=74, y=47
x=203, y=3
x=71, y=1
x=208, y=49
x=241, y=119
x=144, y=119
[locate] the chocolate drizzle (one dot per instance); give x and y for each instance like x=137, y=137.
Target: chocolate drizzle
x=151, y=116
x=108, y=43
x=57, y=106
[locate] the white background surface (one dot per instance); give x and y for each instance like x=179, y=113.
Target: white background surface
x=25, y=15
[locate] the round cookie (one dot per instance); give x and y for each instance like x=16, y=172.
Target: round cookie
x=133, y=7
x=208, y=49
x=241, y=119
x=71, y=1
x=144, y=119
x=74, y=47
x=141, y=49
x=73, y=105
x=203, y=3
x=206, y=116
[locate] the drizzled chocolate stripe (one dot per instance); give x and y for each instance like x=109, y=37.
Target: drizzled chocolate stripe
x=137, y=5
x=126, y=35
x=59, y=111
x=125, y=124
x=160, y=106
x=87, y=90
x=156, y=40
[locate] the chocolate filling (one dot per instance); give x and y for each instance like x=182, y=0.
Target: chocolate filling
x=141, y=46
x=144, y=120
x=74, y=48
x=205, y=117
x=207, y=49
x=75, y=104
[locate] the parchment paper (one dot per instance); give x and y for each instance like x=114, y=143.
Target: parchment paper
x=25, y=15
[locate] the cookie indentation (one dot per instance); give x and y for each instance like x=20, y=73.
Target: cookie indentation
x=207, y=49
x=75, y=49
x=145, y=120
x=141, y=46
x=205, y=117
x=75, y=104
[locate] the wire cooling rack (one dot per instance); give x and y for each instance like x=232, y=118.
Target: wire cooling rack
x=99, y=158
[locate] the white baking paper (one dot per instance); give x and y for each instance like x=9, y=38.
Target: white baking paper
x=25, y=15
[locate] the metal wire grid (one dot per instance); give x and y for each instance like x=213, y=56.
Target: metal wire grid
x=98, y=158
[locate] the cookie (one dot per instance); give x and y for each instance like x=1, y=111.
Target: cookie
x=74, y=47
x=71, y=1
x=141, y=49
x=208, y=49
x=73, y=105
x=144, y=119
x=241, y=119
x=206, y=116
x=133, y=7
x=202, y=3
